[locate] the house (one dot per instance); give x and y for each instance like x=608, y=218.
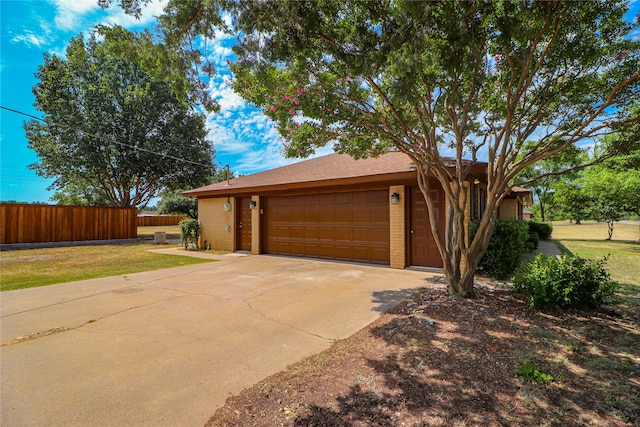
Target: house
x=332, y=207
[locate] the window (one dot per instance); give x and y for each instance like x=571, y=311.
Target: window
x=478, y=202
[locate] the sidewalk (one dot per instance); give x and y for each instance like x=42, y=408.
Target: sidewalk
x=548, y=248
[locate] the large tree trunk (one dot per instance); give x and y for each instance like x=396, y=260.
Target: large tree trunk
x=460, y=253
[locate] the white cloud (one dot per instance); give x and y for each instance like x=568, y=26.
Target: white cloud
x=70, y=13
x=220, y=90
x=37, y=36
x=30, y=39
x=149, y=14
x=82, y=15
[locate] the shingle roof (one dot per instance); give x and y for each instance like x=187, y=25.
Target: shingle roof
x=333, y=169
x=325, y=169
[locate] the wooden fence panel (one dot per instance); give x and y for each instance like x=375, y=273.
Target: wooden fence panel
x=157, y=220
x=24, y=223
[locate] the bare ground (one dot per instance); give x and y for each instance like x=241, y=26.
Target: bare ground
x=440, y=360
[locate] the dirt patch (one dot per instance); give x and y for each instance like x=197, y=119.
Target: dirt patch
x=440, y=360
x=26, y=258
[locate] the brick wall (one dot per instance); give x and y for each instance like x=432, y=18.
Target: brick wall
x=397, y=228
x=214, y=220
x=255, y=226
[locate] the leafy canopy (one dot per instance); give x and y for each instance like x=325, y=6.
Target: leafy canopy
x=466, y=79
x=112, y=133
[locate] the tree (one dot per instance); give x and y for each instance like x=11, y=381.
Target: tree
x=466, y=78
x=553, y=171
x=111, y=133
x=615, y=191
x=174, y=203
x=573, y=202
x=73, y=194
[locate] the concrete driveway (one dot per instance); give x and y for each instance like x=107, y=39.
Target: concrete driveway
x=166, y=348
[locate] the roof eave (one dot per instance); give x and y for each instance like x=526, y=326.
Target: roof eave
x=230, y=190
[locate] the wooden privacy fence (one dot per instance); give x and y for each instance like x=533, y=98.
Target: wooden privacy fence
x=157, y=220
x=24, y=223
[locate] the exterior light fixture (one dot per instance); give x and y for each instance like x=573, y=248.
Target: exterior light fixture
x=476, y=181
x=252, y=204
x=395, y=198
x=227, y=206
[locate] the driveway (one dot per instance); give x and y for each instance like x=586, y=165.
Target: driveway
x=167, y=347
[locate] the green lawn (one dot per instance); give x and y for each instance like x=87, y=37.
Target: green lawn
x=40, y=267
x=587, y=240
x=171, y=230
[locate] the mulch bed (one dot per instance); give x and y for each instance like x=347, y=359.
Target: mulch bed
x=441, y=360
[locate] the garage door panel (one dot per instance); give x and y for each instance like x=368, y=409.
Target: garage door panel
x=327, y=233
x=380, y=235
x=345, y=226
x=361, y=234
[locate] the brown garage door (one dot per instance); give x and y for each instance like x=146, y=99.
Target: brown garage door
x=342, y=226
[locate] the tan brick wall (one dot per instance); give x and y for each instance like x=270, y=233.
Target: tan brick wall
x=397, y=228
x=255, y=227
x=214, y=221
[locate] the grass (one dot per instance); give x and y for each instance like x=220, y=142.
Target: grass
x=588, y=241
x=596, y=231
x=46, y=266
x=171, y=230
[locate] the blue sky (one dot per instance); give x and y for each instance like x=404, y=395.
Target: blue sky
x=242, y=136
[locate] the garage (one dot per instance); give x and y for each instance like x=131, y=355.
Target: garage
x=349, y=226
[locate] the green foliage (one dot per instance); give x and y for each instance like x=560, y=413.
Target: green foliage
x=534, y=239
x=427, y=78
x=529, y=372
x=548, y=173
x=189, y=232
x=173, y=203
x=113, y=134
x=551, y=283
x=573, y=202
x=614, y=189
x=507, y=244
x=543, y=229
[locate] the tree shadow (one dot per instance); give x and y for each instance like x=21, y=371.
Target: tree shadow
x=386, y=299
x=467, y=373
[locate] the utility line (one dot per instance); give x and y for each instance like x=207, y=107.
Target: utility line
x=168, y=156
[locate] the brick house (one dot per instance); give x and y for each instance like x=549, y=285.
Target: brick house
x=334, y=207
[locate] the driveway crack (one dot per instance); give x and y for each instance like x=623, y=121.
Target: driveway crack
x=60, y=329
x=264, y=316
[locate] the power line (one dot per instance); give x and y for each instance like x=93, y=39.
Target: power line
x=168, y=156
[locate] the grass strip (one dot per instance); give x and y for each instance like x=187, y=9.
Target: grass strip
x=46, y=266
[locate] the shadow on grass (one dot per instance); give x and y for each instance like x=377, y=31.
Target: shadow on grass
x=460, y=368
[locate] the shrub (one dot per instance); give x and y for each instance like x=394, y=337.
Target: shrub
x=533, y=239
x=551, y=283
x=544, y=229
x=529, y=372
x=505, y=249
x=189, y=232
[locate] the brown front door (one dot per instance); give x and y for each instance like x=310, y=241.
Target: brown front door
x=243, y=234
x=424, y=251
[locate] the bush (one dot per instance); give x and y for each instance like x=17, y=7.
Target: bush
x=189, y=232
x=544, y=229
x=533, y=239
x=551, y=283
x=505, y=249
